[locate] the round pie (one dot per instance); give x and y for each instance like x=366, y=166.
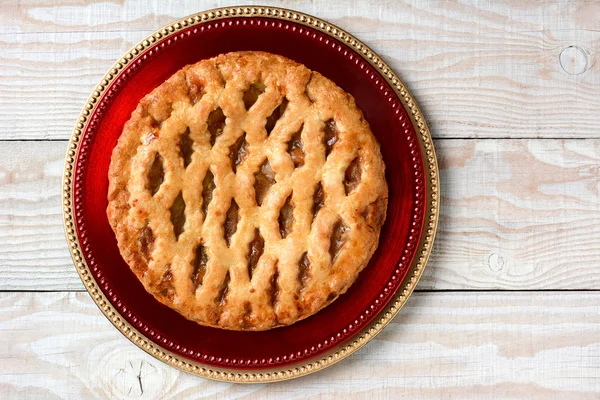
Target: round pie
x=247, y=192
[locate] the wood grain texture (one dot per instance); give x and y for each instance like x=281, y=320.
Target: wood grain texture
x=484, y=69
x=33, y=248
x=472, y=346
x=523, y=214
x=516, y=214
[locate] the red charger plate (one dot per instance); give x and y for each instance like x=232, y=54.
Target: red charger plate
x=381, y=289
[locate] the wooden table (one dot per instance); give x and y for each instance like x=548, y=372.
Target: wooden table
x=509, y=305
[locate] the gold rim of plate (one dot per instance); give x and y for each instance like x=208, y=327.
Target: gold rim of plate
x=383, y=318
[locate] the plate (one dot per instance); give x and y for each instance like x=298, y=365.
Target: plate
x=382, y=287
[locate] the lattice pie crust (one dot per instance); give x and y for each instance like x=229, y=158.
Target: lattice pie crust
x=247, y=192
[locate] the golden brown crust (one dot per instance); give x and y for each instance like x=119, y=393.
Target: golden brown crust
x=288, y=184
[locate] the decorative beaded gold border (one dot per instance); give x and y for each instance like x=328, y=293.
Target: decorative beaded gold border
x=383, y=318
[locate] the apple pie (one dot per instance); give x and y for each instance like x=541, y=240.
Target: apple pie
x=247, y=192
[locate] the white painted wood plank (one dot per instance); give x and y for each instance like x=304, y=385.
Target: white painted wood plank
x=478, y=69
x=33, y=248
x=516, y=214
x=523, y=214
x=469, y=346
